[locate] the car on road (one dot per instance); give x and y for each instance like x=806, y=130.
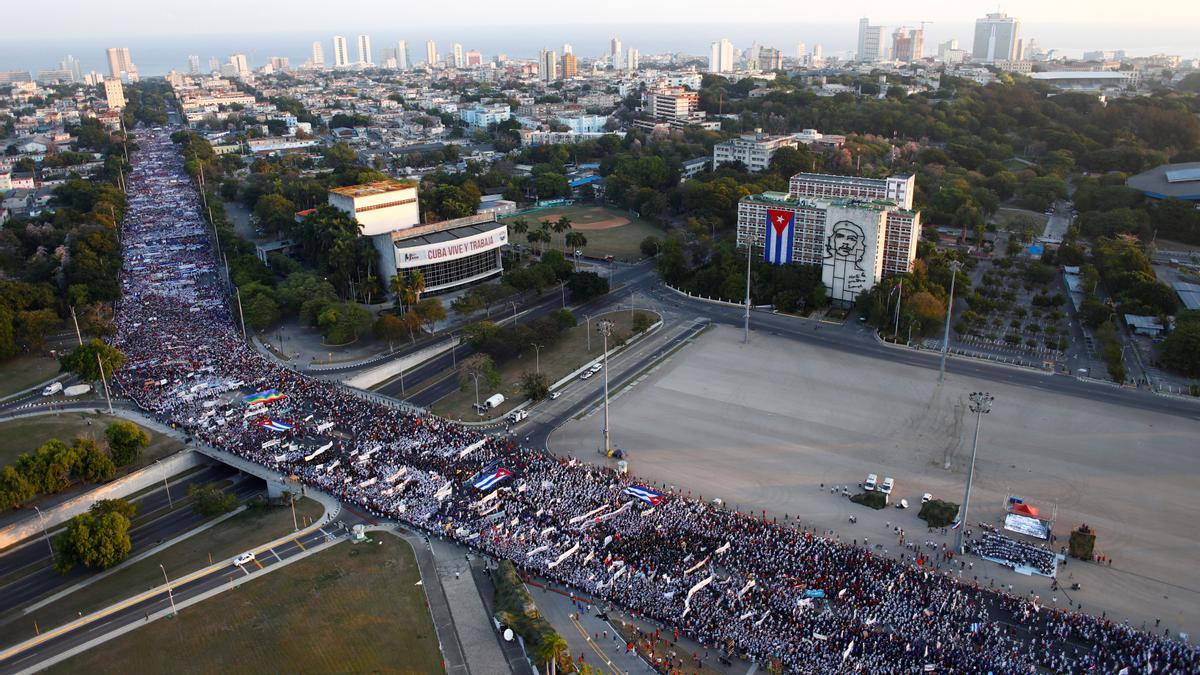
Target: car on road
x=52, y=389
x=869, y=485
x=244, y=559
x=517, y=415
x=555, y=395
x=586, y=374
x=596, y=367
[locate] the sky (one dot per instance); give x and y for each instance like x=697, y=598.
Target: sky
x=162, y=34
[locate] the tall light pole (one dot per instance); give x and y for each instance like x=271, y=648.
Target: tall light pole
x=104, y=381
x=170, y=503
x=78, y=335
x=475, y=376
x=44, y=535
x=746, y=328
x=537, y=357
x=606, y=328
x=588, y=321
x=955, y=266
x=170, y=594
x=981, y=404
x=240, y=315
x=562, y=286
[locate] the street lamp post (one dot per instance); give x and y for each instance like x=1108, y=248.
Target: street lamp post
x=981, y=404
x=240, y=315
x=514, y=306
x=537, y=357
x=475, y=376
x=170, y=504
x=955, y=266
x=562, y=286
x=104, y=381
x=170, y=594
x=606, y=328
x=746, y=328
x=44, y=535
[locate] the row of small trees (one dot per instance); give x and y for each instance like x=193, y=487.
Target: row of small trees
x=55, y=465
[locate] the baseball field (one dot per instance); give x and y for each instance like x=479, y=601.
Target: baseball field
x=609, y=231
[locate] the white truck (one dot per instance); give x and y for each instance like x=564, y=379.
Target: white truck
x=52, y=389
x=517, y=415
x=77, y=390
x=872, y=479
x=888, y=484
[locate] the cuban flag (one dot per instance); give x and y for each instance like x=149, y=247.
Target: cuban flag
x=957, y=524
x=275, y=425
x=645, y=494
x=490, y=479
x=781, y=230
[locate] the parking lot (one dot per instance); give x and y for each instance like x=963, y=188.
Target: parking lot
x=773, y=425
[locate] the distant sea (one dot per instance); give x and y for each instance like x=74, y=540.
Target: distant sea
x=157, y=54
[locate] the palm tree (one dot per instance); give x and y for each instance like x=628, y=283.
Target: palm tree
x=563, y=224
x=398, y=288
x=575, y=240
x=519, y=226
x=416, y=281
x=552, y=646
x=536, y=237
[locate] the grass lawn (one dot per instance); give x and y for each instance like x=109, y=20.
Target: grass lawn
x=26, y=434
x=621, y=242
x=349, y=609
x=254, y=526
x=566, y=355
x=20, y=373
x=1013, y=220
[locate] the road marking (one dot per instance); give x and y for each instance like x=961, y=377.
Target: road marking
x=596, y=648
x=258, y=563
x=301, y=545
x=276, y=554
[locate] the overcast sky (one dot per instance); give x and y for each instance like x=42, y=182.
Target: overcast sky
x=88, y=18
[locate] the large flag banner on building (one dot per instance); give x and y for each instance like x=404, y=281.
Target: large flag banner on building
x=645, y=494
x=490, y=479
x=781, y=230
x=275, y=425
x=266, y=396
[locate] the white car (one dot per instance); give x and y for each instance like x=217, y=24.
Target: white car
x=52, y=389
x=597, y=367
x=555, y=395
x=586, y=375
x=872, y=479
x=926, y=497
x=244, y=559
x=886, y=486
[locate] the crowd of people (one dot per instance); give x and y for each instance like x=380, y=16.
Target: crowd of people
x=1015, y=553
x=735, y=582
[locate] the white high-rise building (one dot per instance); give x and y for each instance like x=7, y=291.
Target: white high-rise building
x=818, y=55
x=71, y=65
x=721, y=58
x=997, y=38
x=317, y=60
x=240, y=64
x=120, y=64
x=616, y=56
x=402, y=55
x=801, y=51
x=568, y=49
x=548, y=65
x=341, y=55
x=431, y=55
x=633, y=57
x=457, y=50
x=364, y=50
x=870, y=41
x=114, y=93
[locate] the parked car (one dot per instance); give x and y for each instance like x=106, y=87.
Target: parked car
x=586, y=375
x=886, y=487
x=869, y=485
x=926, y=497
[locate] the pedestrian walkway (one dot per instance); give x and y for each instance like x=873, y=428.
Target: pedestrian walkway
x=439, y=606
x=474, y=625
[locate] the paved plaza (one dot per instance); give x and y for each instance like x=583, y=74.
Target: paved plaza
x=765, y=425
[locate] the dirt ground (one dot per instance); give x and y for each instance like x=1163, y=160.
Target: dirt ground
x=773, y=424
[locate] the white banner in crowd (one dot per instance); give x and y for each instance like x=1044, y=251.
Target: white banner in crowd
x=564, y=556
x=472, y=448
x=687, y=602
x=723, y=548
x=747, y=587
x=323, y=426
x=697, y=566
x=537, y=550
x=600, y=519
x=589, y=514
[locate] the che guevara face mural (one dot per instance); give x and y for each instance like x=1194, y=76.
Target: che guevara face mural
x=845, y=248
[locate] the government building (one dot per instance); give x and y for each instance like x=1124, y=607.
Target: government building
x=858, y=236
x=449, y=254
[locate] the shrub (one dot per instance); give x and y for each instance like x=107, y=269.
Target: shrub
x=875, y=500
x=1081, y=544
x=938, y=513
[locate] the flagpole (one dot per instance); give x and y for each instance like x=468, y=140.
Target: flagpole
x=899, y=301
x=749, y=250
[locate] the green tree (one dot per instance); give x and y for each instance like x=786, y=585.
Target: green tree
x=519, y=225
x=97, y=539
x=534, y=386
x=15, y=488
x=82, y=360
x=650, y=246
x=575, y=241
x=275, y=213
x=586, y=285
x=642, y=322
x=429, y=311
x=211, y=500
x=344, y=323
x=126, y=441
x=93, y=464
x=477, y=368
x=1180, y=351
x=389, y=327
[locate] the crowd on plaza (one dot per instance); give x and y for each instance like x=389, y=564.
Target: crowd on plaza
x=736, y=582
x=1015, y=553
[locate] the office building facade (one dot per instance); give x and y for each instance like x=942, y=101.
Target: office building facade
x=753, y=150
x=341, y=54
x=870, y=41
x=997, y=38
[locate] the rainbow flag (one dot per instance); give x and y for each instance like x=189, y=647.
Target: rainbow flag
x=267, y=396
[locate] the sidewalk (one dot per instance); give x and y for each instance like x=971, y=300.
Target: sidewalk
x=474, y=625
x=439, y=605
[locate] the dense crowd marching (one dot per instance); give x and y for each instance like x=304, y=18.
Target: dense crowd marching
x=732, y=581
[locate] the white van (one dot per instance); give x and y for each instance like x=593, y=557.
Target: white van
x=52, y=389
x=886, y=487
x=517, y=415
x=872, y=479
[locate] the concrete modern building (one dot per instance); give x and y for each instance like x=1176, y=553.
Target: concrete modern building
x=870, y=42
x=673, y=105
x=483, y=116
x=548, y=65
x=317, y=60
x=615, y=55
x=633, y=59
x=898, y=189
x=570, y=65
x=997, y=38
x=908, y=45
x=449, y=254
x=857, y=242
x=456, y=51
x=1089, y=80
x=770, y=58
x=753, y=150
x=114, y=93
x=721, y=58
x=364, y=50
x=402, y=55
x=341, y=54
x=431, y=55
x=120, y=64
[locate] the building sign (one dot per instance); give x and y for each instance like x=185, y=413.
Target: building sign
x=415, y=256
